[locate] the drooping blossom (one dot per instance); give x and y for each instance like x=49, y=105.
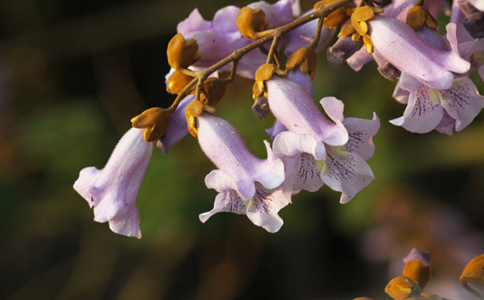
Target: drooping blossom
x=315, y=150
x=246, y=184
x=440, y=109
x=395, y=40
x=401, y=46
x=112, y=191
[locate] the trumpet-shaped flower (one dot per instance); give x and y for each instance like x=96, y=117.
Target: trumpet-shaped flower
x=112, y=191
x=316, y=151
x=401, y=46
x=246, y=184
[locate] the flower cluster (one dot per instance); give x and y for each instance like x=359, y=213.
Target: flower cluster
x=309, y=149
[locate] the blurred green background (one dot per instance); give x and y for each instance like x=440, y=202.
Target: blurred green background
x=73, y=73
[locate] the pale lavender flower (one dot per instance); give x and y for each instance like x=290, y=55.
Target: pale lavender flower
x=316, y=151
x=405, y=49
x=246, y=184
x=112, y=191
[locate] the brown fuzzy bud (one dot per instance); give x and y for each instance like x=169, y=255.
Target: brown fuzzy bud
x=402, y=287
x=155, y=122
x=177, y=82
x=418, y=271
x=251, y=21
x=305, y=59
x=473, y=273
x=215, y=89
x=182, y=53
x=418, y=16
x=338, y=17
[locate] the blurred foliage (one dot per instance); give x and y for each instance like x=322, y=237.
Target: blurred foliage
x=72, y=74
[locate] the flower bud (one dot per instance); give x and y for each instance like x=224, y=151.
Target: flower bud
x=402, y=287
x=251, y=21
x=182, y=53
x=177, y=82
x=418, y=271
x=418, y=16
x=154, y=120
x=305, y=58
x=215, y=89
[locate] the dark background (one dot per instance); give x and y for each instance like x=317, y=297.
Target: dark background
x=72, y=75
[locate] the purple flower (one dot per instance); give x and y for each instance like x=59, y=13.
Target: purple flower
x=112, y=191
x=316, y=151
x=401, y=46
x=246, y=184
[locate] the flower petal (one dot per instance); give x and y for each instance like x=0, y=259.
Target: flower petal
x=361, y=133
x=263, y=208
x=423, y=112
x=462, y=102
x=347, y=173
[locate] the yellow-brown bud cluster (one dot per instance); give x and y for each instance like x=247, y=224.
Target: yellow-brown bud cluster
x=415, y=276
